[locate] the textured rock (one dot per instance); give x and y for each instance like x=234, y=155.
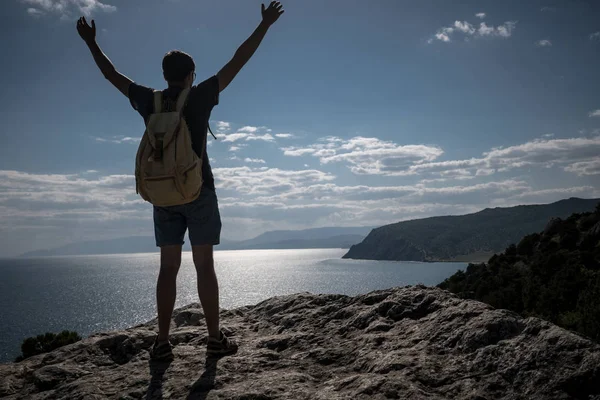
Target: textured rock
x=403, y=343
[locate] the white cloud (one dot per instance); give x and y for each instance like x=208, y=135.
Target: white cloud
x=234, y=137
x=372, y=156
x=267, y=137
x=263, y=180
x=541, y=153
x=591, y=167
x=468, y=30
x=506, y=29
x=548, y=9
x=480, y=15
x=284, y=135
x=249, y=129
x=223, y=126
x=542, y=196
x=443, y=34
x=254, y=160
x=595, y=36
x=464, y=27
x=595, y=113
x=53, y=209
x=118, y=139
x=544, y=43
x=485, y=30
x=294, y=152
x=34, y=12
x=392, y=182
x=67, y=8
x=367, y=156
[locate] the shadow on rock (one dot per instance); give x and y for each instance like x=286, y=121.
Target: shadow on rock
x=202, y=387
x=157, y=372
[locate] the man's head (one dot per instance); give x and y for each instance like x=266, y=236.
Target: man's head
x=178, y=68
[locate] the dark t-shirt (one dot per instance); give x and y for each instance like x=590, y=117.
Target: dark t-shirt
x=200, y=102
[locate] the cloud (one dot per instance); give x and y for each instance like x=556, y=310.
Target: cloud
x=464, y=27
x=390, y=182
x=372, y=156
x=249, y=129
x=367, y=156
x=543, y=43
x=67, y=8
x=469, y=30
x=223, y=126
x=118, y=139
x=284, y=135
x=548, y=9
x=267, y=137
x=254, y=160
x=485, y=30
x=540, y=153
x=53, y=209
x=541, y=196
x=595, y=36
x=245, y=133
x=591, y=167
x=480, y=15
x=34, y=12
x=506, y=29
x=263, y=180
x=595, y=113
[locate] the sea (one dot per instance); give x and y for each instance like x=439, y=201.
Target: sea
x=99, y=293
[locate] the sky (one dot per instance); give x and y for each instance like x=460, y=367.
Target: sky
x=349, y=114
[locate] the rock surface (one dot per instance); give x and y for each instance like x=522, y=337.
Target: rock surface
x=403, y=343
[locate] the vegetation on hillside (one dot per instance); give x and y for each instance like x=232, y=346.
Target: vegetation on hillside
x=47, y=342
x=450, y=237
x=554, y=275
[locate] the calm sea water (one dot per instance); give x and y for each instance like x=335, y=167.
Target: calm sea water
x=108, y=292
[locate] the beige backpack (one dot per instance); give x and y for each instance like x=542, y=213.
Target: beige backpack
x=167, y=170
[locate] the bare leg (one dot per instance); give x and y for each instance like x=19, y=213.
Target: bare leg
x=166, y=288
x=208, y=286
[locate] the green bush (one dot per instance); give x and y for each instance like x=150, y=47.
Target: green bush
x=553, y=275
x=47, y=342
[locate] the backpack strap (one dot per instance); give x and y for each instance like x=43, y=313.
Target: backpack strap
x=157, y=101
x=182, y=99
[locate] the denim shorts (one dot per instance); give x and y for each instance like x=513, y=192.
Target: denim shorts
x=200, y=217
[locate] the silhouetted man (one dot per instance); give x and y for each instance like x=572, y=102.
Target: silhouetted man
x=201, y=216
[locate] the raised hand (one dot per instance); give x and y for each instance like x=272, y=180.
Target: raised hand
x=272, y=13
x=87, y=33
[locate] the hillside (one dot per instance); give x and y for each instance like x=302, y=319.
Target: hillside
x=333, y=237
x=554, y=274
x=458, y=238
x=412, y=343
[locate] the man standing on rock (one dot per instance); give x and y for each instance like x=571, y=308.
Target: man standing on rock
x=201, y=216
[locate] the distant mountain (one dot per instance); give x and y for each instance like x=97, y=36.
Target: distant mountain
x=300, y=239
x=306, y=238
x=465, y=237
x=131, y=244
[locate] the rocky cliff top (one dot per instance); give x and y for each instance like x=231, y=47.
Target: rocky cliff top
x=402, y=343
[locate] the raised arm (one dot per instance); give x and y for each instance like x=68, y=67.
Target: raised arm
x=88, y=34
x=247, y=49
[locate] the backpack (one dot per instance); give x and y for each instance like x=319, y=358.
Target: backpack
x=168, y=171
